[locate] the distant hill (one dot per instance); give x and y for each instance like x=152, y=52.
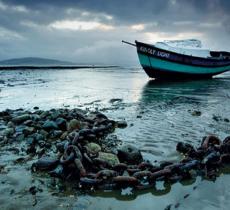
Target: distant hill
x=34, y=61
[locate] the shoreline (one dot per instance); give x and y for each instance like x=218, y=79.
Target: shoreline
x=55, y=67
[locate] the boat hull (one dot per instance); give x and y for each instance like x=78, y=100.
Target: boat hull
x=157, y=68
x=162, y=64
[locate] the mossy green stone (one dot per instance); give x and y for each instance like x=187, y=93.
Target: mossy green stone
x=73, y=124
x=109, y=157
x=93, y=148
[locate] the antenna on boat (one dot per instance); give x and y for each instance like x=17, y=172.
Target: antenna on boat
x=128, y=43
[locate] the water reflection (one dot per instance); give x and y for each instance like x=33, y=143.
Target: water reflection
x=130, y=194
x=167, y=114
x=182, y=91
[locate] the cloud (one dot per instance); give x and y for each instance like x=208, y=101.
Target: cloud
x=80, y=25
x=138, y=27
x=16, y=8
x=7, y=35
x=77, y=30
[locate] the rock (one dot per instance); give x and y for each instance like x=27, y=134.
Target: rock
x=61, y=123
x=101, y=115
x=8, y=132
x=50, y=125
x=20, y=137
x=71, y=135
x=1, y=138
x=35, y=117
x=56, y=133
x=10, y=124
x=31, y=149
x=4, y=113
x=73, y=124
x=36, y=108
x=28, y=122
x=44, y=114
x=85, y=132
x=113, y=100
x=96, y=116
x=2, y=127
x=19, y=129
x=64, y=135
x=93, y=148
x=184, y=147
x=28, y=130
x=58, y=172
x=216, y=118
x=130, y=155
x=196, y=113
x=61, y=146
x=226, y=120
x=55, y=114
x=39, y=137
x=21, y=118
x=44, y=133
x=30, y=141
x=91, y=117
x=45, y=164
x=109, y=157
x=122, y=124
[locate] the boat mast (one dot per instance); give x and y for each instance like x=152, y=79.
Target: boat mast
x=128, y=43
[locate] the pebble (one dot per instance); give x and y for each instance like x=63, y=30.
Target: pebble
x=113, y=100
x=129, y=154
x=49, y=125
x=109, y=157
x=28, y=130
x=73, y=124
x=8, y=132
x=122, y=124
x=21, y=118
x=61, y=123
x=93, y=148
x=196, y=113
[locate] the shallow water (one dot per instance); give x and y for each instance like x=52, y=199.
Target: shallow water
x=159, y=115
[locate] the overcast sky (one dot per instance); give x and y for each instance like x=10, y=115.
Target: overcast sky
x=90, y=31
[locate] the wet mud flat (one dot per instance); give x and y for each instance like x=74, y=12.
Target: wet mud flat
x=50, y=158
x=159, y=115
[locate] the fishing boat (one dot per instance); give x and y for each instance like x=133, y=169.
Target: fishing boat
x=179, y=61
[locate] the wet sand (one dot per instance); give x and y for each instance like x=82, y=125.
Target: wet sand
x=158, y=115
